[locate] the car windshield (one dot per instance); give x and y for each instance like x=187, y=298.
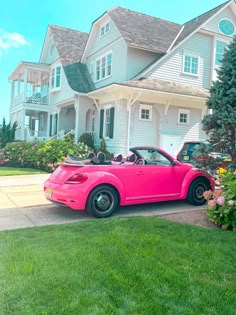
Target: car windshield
x=153, y=156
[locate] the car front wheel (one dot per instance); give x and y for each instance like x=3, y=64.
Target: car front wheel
x=102, y=201
x=196, y=190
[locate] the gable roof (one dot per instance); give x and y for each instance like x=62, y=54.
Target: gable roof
x=144, y=31
x=70, y=43
x=194, y=24
x=188, y=29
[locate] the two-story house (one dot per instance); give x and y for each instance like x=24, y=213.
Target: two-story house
x=134, y=79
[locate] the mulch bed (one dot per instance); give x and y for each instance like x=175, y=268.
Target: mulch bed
x=195, y=217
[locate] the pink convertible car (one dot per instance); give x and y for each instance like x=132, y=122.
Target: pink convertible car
x=148, y=174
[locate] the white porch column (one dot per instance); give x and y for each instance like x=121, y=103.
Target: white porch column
x=18, y=85
x=77, y=107
x=12, y=92
x=25, y=84
x=128, y=129
x=22, y=127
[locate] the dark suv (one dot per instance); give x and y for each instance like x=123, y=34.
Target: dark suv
x=186, y=154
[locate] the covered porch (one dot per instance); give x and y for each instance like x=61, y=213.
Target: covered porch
x=162, y=102
x=30, y=84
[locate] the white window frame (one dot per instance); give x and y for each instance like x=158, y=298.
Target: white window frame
x=191, y=55
x=146, y=108
x=105, y=28
x=215, y=46
x=105, y=124
x=214, y=65
x=184, y=112
x=106, y=72
x=53, y=78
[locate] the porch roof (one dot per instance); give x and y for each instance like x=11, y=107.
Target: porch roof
x=36, y=66
x=154, y=86
x=168, y=87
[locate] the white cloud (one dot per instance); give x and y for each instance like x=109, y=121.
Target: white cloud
x=9, y=40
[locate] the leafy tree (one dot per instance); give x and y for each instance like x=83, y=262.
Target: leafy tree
x=221, y=124
x=7, y=133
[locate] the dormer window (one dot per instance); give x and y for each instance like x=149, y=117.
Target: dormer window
x=104, y=29
x=104, y=66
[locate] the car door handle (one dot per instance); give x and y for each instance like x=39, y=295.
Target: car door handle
x=139, y=173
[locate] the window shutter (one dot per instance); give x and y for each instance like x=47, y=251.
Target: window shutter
x=56, y=122
x=101, y=123
x=50, y=126
x=112, y=122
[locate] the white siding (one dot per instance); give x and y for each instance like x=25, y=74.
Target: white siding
x=212, y=26
x=119, y=59
x=144, y=132
x=47, y=58
x=64, y=93
x=100, y=42
x=169, y=125
x=138, y=60
x=170, y=68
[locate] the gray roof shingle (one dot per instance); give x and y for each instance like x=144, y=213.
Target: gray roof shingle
x=144, y=31
x=192, y=25
x=70, y=43
x=168, y=87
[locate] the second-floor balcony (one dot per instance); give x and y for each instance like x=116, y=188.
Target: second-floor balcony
x=30, y=82
x=36, y=98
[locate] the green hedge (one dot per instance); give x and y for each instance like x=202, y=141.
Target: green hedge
x=42, y=155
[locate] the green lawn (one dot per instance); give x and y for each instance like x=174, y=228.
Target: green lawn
x=118, y=266
x=8, y=171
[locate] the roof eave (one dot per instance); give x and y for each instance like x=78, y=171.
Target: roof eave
x=149, y=68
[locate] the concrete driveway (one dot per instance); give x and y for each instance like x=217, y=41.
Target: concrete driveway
x=22, y=204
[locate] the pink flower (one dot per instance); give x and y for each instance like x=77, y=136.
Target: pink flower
x=211, y=203
x=220, y=201
x=207, y=194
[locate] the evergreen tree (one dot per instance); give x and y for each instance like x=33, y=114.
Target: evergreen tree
x=221, y=124
x=7, y=133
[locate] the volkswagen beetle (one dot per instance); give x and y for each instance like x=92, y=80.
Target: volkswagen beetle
x=147, y=174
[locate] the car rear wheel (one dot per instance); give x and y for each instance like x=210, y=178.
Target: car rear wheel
x=196, y=190
x=102, y=201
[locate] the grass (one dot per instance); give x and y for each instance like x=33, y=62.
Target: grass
x=118, y=266
x=9, y=171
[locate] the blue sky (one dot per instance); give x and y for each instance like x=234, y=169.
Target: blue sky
x=23, y=26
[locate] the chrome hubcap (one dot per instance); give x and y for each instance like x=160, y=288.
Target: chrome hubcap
x=199, y=191
x=104, y=201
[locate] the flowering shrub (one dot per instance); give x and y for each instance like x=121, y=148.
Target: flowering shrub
x=42, y=155
x=20, y=154
x=52, y=152
x=221, y=205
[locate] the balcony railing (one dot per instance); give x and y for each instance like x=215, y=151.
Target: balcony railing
x=36, y=98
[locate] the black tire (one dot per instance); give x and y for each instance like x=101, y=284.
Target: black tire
x=196, y=190
x=102, y=201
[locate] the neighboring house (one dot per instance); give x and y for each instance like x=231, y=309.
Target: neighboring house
x=134, y=79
